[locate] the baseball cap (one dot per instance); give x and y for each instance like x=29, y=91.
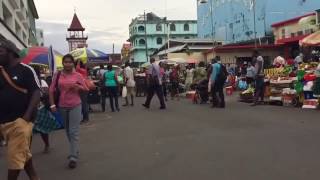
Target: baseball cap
x=9, y=45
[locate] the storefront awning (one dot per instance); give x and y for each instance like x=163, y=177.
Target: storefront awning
x=171, y=50
x=311, y=40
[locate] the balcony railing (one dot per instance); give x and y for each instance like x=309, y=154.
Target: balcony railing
x=21, y=13
x=14, y=4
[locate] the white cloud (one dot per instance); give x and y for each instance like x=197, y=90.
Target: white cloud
x=106, y=21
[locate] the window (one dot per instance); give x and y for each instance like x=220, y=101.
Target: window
x=186, y=37
x=141, y=29
x=158, y=27
x=142, y=42
x=300, y=33
x=159, y=41
x=172, y=27
x=293, y=34
x=283, y=33
x=186, y=27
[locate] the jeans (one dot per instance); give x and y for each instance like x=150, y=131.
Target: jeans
x=165, y=89
x=72, y=119
x=113, y=96
x=159, y=91
x=218, y=88
x=259, y=89
x=84, y=106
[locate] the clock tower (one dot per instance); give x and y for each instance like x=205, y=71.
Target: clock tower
x=76, y=38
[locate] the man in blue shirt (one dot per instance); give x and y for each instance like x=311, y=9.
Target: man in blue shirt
x=217, y=82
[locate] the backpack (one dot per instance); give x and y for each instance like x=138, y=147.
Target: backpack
x=223, y=75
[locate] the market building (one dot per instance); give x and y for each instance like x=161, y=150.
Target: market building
x=149, y=32
x=125, y=52
x=17, y=22
x=189, y=50
x=290, y=32
x=232, y=21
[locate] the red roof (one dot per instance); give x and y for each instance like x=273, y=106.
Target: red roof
x=295, y=39
x=75, y=24
x=290, y=21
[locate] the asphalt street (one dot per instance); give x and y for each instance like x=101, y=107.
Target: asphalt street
x=189, y=142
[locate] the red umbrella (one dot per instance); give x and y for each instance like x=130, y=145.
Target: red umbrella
x=36, y=55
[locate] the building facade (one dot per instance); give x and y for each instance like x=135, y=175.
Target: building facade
x=149, y=32
x=232, y=21
x=17, y=22
x=76, y=37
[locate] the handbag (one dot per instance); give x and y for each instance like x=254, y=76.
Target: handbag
x=90, y=84
x=124, y=92
x=57, y=92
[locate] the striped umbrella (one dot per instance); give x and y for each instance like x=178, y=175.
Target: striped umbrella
x=311, y=40
x=39, y=55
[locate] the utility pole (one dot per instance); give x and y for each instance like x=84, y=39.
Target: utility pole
x=145, y=35
x=254, y=23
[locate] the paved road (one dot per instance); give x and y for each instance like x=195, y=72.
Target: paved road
x=190, y=142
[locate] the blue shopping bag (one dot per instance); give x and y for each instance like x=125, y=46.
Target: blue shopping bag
x=58, y=118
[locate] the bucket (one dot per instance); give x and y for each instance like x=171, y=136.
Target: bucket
x=229, y=90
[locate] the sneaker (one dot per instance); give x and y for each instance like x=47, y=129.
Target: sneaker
x=162, y=108
x=3, y=143
x=72, y=164
x=144, y=105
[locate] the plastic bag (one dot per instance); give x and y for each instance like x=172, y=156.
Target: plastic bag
x=124, y=92
x=243, y=85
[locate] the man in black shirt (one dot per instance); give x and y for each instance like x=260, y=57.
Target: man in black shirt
x=19, y=98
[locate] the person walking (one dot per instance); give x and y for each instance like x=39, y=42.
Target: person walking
x=45, y=122
x=218, y=78
x=103, y=88
x=164, y=80
x=129, y=83
x=154, y=85
x=259, y=85
x=81, y=69
x=19, y=99
x=189, y=77
x=111, y=83
x=175, y=80
x=64, y=95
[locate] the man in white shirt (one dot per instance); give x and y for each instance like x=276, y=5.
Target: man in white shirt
x=130, y=83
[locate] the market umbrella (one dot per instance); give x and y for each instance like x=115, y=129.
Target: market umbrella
x=86, y=55
x=38, y=55
x=144, y=65
x=311, y=40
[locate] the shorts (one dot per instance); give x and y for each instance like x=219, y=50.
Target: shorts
x=18, y=136
x=130, y=91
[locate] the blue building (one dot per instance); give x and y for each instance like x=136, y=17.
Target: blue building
x=232, y=21
x=150, y=32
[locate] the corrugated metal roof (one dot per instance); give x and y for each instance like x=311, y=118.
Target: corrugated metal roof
x=171, y=50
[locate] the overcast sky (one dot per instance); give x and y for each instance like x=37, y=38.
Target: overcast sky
x=106, y=21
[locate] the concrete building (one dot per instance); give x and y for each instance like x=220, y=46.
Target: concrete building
x=232, y=21
x=149, y=32
x=40, y=37
x=17, y=22
x=125, y=52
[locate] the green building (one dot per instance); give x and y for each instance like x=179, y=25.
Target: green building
x=149, y=32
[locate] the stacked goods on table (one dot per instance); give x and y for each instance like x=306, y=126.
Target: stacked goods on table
x=279, y=80
x=308, y=85
x=247, y=95
x=277, y=87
